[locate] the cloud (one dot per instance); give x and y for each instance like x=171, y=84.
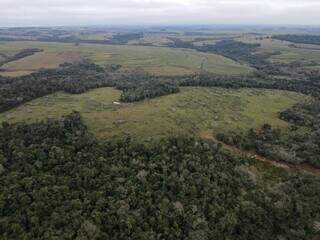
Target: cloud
x=86, y=12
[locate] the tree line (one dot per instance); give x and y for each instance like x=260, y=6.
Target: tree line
x=20, y=54
x=79, y=78
x=306, y=83
x=120, y=38
x=298, y=144
x=59, y=182
x=236, y=50
x=301, y=38
x=76, y=78
x=135, y=86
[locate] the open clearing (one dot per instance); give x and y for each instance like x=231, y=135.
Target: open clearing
x=195, y=110
x=157, y=39
x=156, y=60
x=38, y=61
x=304, y=53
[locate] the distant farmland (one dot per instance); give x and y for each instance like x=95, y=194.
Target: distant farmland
x=156, y=60
x=39, y=60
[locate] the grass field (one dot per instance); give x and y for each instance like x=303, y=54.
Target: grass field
x=156, y=39
x=95, y=36
x=305, y=53
x=199, y=111
x=39, y=60
x=152, y=59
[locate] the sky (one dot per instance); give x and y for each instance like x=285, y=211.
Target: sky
x=158, y=12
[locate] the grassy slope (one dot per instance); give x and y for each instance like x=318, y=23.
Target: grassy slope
x=149, y=58
x=306, y=53
x=201, y=111
x=157, y=39
x=40, y=60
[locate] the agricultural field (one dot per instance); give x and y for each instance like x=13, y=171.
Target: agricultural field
x=37, y=61
x=198, y=111
x=156, y=39
x=307, y=54
x=157, y=60
x=222, y=135
x=96, y=36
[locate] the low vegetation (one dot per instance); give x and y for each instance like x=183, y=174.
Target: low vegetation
x=71, y=78
x=236, y=50
x=154, y=60
x=40, y=60
x=124, y=38
x=287, y=53
x=192, y=111
x=21, y=54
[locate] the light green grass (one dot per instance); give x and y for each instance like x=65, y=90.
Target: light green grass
x=95, y=36
x=306, y=53
x=156, y=39
x=196, y=111
x=148, y=58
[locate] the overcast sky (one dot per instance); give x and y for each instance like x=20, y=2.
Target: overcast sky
x=124, y=12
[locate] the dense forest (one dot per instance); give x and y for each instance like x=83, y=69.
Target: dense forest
x=306, y=39
x=58, y=182
x=79, y=78
x=305, y=82
x=76, y=78
x=233, y=49
x=147, y=90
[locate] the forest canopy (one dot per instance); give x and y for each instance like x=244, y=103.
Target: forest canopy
x=306, y=39
x=58, y=182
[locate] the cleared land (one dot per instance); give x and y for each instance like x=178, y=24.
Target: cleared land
x=155, y=60
x=305, y=53
x=200, y=111
x=156, y=39
x=37, y=61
